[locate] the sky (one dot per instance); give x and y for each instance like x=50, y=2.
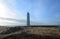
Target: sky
x=42, y=12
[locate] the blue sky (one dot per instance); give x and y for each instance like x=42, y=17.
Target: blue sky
x=42, y=12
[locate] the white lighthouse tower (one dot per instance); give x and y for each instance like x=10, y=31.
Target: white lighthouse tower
x=28, y=19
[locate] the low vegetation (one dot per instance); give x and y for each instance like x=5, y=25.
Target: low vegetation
x=31, y=33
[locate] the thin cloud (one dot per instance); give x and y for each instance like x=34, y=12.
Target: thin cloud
x=57, y=16
x=45, y=22
x=13, y=5
x=5, y=12
x=8, y=10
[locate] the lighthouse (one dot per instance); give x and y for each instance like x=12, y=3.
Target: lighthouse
x=28, y=19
